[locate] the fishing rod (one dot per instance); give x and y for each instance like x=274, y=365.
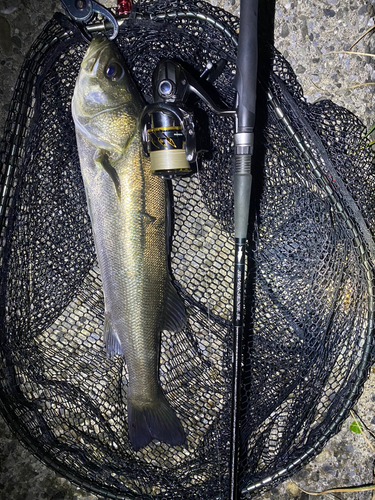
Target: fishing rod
x=245, y=84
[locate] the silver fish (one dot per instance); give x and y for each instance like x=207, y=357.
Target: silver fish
x=127, y=207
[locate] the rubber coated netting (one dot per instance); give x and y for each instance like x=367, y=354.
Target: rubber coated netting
x=309, y=308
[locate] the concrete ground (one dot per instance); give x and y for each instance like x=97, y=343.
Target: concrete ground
x=311, y=34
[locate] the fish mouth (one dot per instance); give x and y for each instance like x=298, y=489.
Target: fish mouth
x=98, y=44
x=93, y=55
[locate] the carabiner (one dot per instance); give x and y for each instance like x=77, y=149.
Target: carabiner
x=82, y=11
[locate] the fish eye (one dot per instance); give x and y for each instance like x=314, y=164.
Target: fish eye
x=113, y=71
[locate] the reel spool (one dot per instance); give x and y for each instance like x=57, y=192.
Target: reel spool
x=169, y=140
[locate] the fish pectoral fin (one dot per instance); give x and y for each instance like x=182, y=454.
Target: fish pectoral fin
x=155, y=420
x=111, y=340
x=101, y=158
x=174, y=312
x=148, y=219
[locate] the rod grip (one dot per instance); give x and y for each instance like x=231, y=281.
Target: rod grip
x=242, y=189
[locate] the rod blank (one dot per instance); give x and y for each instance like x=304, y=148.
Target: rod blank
x=245, y=84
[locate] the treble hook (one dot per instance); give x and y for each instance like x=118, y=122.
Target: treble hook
x=82, y=11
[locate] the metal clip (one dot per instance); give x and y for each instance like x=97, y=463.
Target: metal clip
x=82, y=11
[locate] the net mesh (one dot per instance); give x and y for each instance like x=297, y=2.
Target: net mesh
x=309, y=311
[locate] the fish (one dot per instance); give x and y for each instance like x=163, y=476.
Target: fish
x=128, y=208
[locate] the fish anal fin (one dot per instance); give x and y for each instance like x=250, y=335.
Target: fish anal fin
x=111, y=340
x=155, y=420
x=174, y=312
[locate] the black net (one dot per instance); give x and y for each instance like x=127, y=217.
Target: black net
x=309, y=307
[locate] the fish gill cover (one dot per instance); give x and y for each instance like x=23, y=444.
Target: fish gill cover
x=309, y=308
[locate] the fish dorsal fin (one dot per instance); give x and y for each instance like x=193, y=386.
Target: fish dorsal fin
x=111, y=340
x=174, y=313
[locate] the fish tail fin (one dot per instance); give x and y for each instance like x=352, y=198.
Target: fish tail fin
x=155, y=420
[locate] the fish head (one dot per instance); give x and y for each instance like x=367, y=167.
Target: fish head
x=106, y=105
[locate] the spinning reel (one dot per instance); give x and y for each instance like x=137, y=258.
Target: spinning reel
x=168, y=126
